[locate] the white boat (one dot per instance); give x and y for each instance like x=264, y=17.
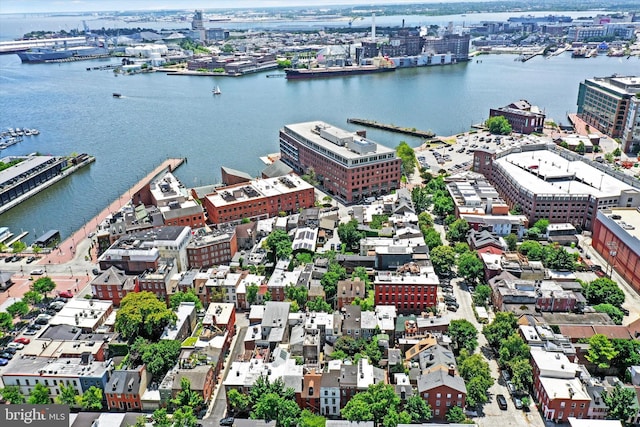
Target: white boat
x=216, y=90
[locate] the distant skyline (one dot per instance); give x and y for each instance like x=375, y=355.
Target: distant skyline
x=49, y=6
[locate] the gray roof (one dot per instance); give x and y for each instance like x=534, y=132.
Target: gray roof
x=123, y=382
x=330, y=379
x=436, y=355
x=236, y=172
x=277, y=168
x=197, y=377
x=114, y=276
x=438, y=378
x=275, y=313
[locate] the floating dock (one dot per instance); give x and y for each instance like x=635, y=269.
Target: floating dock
x=392, y=128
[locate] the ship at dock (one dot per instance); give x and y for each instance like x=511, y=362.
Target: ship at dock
x=35, y=55
x=324, y=72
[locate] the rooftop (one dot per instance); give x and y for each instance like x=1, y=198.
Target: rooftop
x=27, y=166
x=627, y=218
x=256, y=189
x=545, y=172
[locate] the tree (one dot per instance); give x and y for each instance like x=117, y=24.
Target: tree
x=481, y=295
x=160, y=418
x=512, y=241
x=12, y=394
x=533, y=233
x=393, y=418
x=186, y=396
x=271, y=406
x=628, y=354
x=238, y=402
x=378, y=400
x=184, y=417
x=143, y=314
x=68, y=395
x=318, y=304
x=309, y=419
x=531, y=249
x=252, y=294
x=604, y=290
x=512, y=348
x=431, y=238
x=279, y=243
x=521, y=373
x=621, y=403
x=455, y=414
x=580, y=148
x=91, y=399
x=418, y=409
x=188, y=296
x=349, y=234
x=17, y=247
x=463, y=335
x=39, y=395
x=502, y=327
x=18, y=308
x=357, y=409
x=408, y=157
x=298, y=294
x=542, y=224
x=560, y=259
x=43, y=285
x=6, y=321
x=617, y=152
x=442, y=258
x=442, y=205
x=421, y=199
x=32, y=297
x=477, y=391
x=458, y=230
x=474, y=366
x=498, y=125
x=158, y=357
x=368, y=303
x=601, y=351
x=614, y=312
x=470, y=267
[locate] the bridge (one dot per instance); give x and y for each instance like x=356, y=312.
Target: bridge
x=14, y=46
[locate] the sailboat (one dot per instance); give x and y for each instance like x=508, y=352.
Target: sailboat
x=216, y=90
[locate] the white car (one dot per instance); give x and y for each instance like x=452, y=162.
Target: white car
x=16, y=345
x=37, y=272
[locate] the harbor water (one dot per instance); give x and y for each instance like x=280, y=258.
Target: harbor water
x=160, y=116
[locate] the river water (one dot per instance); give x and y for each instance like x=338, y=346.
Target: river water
x=163, y=116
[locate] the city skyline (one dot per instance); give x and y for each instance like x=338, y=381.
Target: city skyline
x=45, y=6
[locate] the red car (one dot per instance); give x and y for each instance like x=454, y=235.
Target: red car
x=66, y=294
x=22, y=340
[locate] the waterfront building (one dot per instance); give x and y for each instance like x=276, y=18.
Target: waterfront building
x=259, y=199
x=113, y=285
x=141, y=251
x=549, y=182
x=522, y=116
x=26, y=174
x=612, y=106
x=616, y=235
x=175, y=202
x=211, y=247
x=347, y=165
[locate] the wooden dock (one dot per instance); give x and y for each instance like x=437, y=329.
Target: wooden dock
x=393, y=128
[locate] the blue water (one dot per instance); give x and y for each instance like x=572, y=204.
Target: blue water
x=163, y=116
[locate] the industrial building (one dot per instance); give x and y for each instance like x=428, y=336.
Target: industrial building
x=27, y=174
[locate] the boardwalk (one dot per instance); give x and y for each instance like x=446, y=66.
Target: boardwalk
x=67, y=250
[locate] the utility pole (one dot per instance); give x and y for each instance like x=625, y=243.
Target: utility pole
x=613, y=251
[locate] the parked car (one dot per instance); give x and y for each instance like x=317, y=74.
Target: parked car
x=3, y=362
x=6, y=355
x=517, y=402
x=65, y=294
x=449, y=298
x=34, y=326
x=452, y=307
x=42, y=319
x=24, y=341
x=511, y=388
x=227, y=421
x=37, y=272
x=502, y=402
x=453, y=304
x=30, y=332
x=31, y=259
x=15, y=345
x=10, y=350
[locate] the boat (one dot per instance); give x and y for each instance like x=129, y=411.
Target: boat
x=117, y=95
x=35, y=132
x=315, y=73
x=59, y=54
x=216, y=90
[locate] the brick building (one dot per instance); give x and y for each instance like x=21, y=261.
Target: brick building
x=113, y=285
x=259, y=199
x=212, y=247
x=348, y=290
x=125, y=388
x=347, y=165
x=411, y=293
x=442, y=389
x=157, y=280
x=522, y=116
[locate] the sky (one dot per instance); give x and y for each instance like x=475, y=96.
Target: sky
x=39, y=6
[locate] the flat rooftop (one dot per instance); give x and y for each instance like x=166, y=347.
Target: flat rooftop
x=629, y=220
x=257, y=189
x=547, y=173
x=305, y=130
x=28, y=165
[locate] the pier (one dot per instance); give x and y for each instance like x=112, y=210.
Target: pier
x=17, y=238
x=67, y=250
x=393, y=128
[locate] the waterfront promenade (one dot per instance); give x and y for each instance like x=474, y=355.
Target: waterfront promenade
x=67, y=250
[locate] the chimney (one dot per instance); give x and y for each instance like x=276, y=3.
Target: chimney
x=373, y=27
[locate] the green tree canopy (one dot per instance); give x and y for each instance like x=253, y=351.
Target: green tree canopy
x=298, y=294
x=408, y=157
x=521, y=373
x=68, y=395
x=188, y=296
x=186, y=396
x=238, y=402
x=502, y=327
x=481, y=295
x=318, y=304
x=604, y=290
x=463, y=335
x=349, y=234
x=542, y=225
x=91, y=399
x=143, y=314
x=601, y=351
x=614, y=312
x=458, y=231
x=442, y=205
x=18, y=308
x=309, y=419
x=43, y=285
x=12, y=394
x=279, y=243
x=512, y=241
x=431, y=237
x=184, y=417
x=470, y=267
x=498, y=125
x=443, y=258
x=418, y=409
x=532, y=250
x=513, y=347
x=379, y=399
x=621, y=403
x=32, y=297
x=455, y=414
x=252, y=293
x=6, y=321
x=158, y=357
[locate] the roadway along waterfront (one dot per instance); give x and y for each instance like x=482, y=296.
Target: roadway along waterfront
x=160, y=117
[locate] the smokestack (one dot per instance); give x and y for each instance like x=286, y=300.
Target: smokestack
x=373, y=27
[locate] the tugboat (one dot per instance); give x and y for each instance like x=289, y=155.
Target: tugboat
x=117, y=95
